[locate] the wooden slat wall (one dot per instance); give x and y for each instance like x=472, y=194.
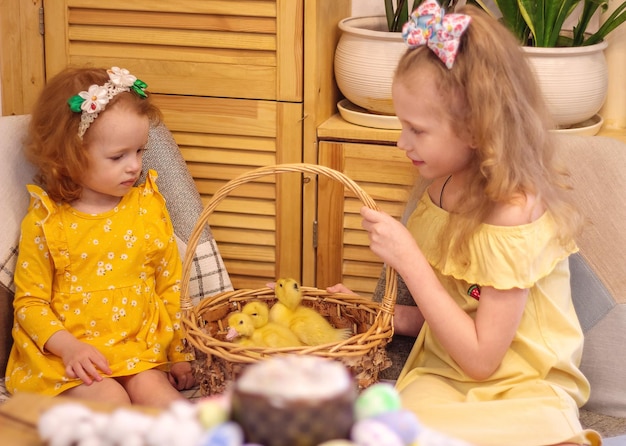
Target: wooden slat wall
x=201, y=48
x=383, y=172
x=21, y=55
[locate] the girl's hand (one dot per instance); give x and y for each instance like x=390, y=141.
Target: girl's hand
x=340, y=288
x=389, y=239
x=181, y=376
x=81, y=360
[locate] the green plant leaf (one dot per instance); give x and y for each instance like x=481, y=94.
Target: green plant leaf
x=540, y=22
x=533, y=16
x=389, y=13
x=545, y=19
x=402, y=15
x=512, y=18
x=589, y=9
x=616, y=18
x=565, y=11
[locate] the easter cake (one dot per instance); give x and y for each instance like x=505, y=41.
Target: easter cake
x=294, y=401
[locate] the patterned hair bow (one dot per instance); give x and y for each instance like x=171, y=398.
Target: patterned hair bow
x=91, y=102
x=429, y=25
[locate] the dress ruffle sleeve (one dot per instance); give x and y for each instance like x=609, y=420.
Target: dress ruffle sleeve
x=168, y=264
x=42, y=254
x=503, y=257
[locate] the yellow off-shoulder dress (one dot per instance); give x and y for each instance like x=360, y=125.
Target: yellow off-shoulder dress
x=111, y=279
x=533, y=397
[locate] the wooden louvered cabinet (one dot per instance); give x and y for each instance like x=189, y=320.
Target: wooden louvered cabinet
x=370, y=157
x=241, y=84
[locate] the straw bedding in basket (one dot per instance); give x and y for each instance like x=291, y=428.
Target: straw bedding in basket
x=219, y=361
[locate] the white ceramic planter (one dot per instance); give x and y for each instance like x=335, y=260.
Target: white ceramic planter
x=574, y=81
x=365, y=60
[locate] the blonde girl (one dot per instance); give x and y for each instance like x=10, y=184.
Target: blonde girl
x=485, y=253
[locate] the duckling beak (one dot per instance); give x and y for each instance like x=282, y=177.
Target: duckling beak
x=231, y=334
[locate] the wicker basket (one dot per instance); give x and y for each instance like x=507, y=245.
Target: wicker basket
x=219, y=361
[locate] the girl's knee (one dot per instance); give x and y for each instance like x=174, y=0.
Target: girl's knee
x=150, y=388
x=108, y=390
x=145, y=379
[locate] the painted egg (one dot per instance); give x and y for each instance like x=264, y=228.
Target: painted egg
x=225, y=434
x=403, y=422
x=370, y=432
x=377, y=399
x=211, y=413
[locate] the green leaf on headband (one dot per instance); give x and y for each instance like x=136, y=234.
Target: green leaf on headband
x=138, y=87
x=75, y=102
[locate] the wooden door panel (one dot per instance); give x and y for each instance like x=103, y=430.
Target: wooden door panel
x=220, y=116
x=22, y=71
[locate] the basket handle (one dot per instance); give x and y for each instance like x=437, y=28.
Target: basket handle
x=389, y=298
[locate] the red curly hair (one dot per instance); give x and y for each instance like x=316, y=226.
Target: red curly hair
x=53, y=144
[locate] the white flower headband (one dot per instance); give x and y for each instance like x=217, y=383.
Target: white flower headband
x=91, y=102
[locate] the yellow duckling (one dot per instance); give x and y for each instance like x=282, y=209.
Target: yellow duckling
x=258, y=311
x=310, y=326
x=271, y=333
x=241, y=329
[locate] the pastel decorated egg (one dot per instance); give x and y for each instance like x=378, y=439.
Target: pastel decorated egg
x=375, y=400
x=403, y=422
x=212, y=412
x=225, y=434
x=369, y=432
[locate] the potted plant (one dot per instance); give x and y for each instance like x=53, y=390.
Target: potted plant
x=570, y=64
x=367, y=54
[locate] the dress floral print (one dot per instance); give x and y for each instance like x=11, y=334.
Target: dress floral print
x=111, y=279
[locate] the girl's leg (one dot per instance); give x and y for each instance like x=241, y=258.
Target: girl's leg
x=108, y=390
x=150, y=388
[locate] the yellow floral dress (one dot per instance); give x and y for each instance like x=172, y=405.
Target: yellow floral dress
x=111, y=279
x=533, y=397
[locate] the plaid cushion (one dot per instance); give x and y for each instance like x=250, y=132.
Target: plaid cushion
x=16, y=173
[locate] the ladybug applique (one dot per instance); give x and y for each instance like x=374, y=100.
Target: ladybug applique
x=474, y=291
